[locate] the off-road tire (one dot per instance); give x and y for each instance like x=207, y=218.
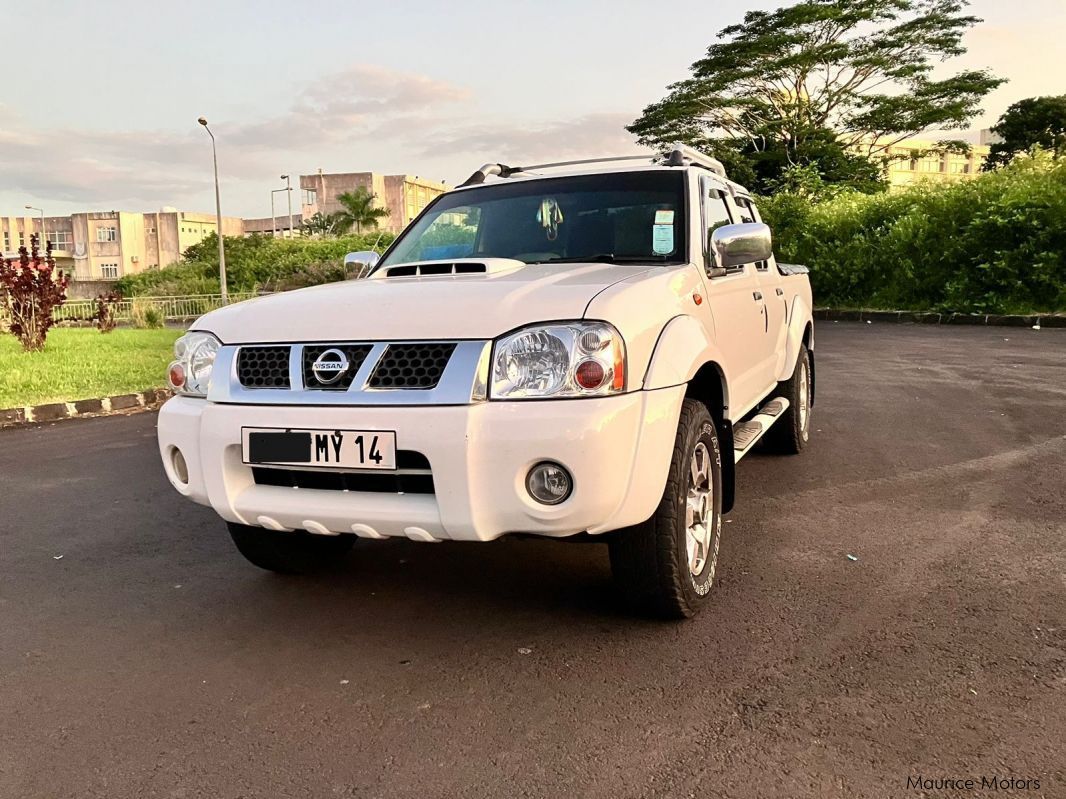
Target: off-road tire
x=650, y=561
x=296, y=552
x=790, y=434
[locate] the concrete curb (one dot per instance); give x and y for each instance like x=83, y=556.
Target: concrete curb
x=103, y=406
x=931, y=318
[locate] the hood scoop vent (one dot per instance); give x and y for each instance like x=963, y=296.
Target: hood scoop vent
x=478, y=266
x=419, y=270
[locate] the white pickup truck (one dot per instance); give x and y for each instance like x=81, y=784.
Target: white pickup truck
x=582, y=349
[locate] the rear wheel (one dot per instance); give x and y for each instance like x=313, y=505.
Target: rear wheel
x=790, y=434
x=296, y=552
x=667, y=564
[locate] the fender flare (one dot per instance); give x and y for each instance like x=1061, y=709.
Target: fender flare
x=799, y=319
x=683, y=347
x=686, y=354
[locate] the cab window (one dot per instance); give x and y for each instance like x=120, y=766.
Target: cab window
x=748, y=213
x=715, y=215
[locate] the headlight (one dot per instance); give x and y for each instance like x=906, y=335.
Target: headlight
x=194, y=358
x=564, y=359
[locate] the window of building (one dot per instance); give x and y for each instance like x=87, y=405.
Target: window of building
x=7, y=240
x=150, y=230
x=310, y=197
x=61, y=239
x=109, y=271
x=22, y=239
x=107, y=233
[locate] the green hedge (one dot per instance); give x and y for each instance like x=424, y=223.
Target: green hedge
x=994, y=244
x=253, y=263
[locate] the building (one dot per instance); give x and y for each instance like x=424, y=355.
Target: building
x=403, y=195
x=105, y=245
x=910, y=165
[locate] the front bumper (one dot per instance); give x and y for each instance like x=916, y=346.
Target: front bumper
x=618, y=450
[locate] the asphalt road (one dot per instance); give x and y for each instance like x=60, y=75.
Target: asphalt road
x=152, y=661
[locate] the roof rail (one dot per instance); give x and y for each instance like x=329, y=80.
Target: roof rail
x=505, y=171
x=673, y=155
x=682, y=155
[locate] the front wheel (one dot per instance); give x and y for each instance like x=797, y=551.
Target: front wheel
x=296, y=552
x=666, y=565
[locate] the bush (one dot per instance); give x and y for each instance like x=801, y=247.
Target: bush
x=104, y=314
x=30, y=291
x=145, y=315
x=994, y=244
x=253, y=263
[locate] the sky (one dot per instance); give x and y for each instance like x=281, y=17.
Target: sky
x=99, y=106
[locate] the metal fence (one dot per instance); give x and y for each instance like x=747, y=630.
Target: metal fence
x=185, y=307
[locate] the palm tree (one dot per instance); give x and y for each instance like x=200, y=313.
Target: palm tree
x=359, y=210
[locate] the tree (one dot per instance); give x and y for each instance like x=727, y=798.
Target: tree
x=30, y=291
x=858, y=69
x=359, y=210
x=319, y=225
x=1033, y=122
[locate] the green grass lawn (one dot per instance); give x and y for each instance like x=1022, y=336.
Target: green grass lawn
x=82, y=363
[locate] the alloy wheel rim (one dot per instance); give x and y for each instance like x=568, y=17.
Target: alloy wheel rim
x=804, y=395
x=698, y=509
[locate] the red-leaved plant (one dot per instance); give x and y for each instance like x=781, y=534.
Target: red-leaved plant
x=30, y=290
x=104, y=316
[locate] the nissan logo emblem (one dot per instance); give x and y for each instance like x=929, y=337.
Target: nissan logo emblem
x=330, y=366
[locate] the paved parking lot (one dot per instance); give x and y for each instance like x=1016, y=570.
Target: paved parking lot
x=151, y=660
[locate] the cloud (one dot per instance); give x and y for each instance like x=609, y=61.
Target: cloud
x=114, y=168
x=589, y=136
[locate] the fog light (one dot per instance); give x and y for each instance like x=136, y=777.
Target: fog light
x=181, y=469
x=549, y=483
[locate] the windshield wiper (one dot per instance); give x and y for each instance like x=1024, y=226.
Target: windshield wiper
x=605, y=258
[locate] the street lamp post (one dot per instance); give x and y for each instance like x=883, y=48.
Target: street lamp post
x=288, y=184
x=42, y=243
x=273, y=218
x=218, y=218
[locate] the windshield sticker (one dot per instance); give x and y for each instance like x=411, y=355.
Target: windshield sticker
x=664, y=217
x=662, y=239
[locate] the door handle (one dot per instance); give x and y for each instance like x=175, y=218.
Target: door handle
x=757, y=295
x=780, y=291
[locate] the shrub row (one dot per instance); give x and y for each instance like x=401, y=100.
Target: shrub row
x=994, y=244
x=253, y=263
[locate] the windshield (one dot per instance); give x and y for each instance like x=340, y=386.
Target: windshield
x=628, y=217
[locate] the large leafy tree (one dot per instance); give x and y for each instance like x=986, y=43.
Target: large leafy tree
x=1033, y=122
x=860, y=69
x=358, y=211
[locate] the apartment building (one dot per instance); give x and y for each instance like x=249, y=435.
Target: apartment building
x=105, y=245
x=910, y=165
x=403, y=195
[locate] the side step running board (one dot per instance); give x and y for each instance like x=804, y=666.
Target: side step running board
x=747, y=433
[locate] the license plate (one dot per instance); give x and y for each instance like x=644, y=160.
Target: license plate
x=333, y=449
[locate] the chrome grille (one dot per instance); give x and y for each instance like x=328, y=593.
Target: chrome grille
x=411, y=366
x=263, y=367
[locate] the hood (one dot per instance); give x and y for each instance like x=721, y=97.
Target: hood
x=482, y=305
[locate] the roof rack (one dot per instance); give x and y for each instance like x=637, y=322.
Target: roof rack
x=674, y=155
x=682, y=155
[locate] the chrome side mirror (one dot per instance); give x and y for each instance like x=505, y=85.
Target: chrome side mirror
x=734, y=245
x=364, y=259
